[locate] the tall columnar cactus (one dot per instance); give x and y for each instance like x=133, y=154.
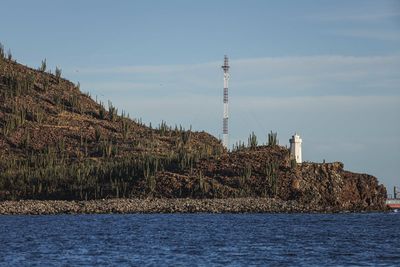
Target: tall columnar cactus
x=97, y=133
x=102, y=111
x=293, y=164
x=58, y=73
x=9, y=55
x=112, y=111
x=271, y=176
x=2, y=54
x=125, y=126
x=252, y=141
x=43, y=66
x=272, y=139
x=163, y=128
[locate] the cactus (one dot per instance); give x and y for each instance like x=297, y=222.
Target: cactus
x=26, y=140
x=125, y=126
x=74, y=103
x=43, y=66
x=108, y=148
x=58, y=73
x=271, y=175
x=2, y=54
x=112, y=111
x=46, y=84
x=293, y=164
x=163, y=128
x=9, y=55
x=244, y=179
x=151, y=184
x=102, y=113
x=238, y=146
x=272, y=139
x=247, y=172
x=252, y=141
x=202, y=186
x=186, y=136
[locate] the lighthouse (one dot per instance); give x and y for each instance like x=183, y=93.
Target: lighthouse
x=295, y=148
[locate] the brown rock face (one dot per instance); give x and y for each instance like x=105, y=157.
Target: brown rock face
x=329, y=185
x=363, y=191
x=266, y=172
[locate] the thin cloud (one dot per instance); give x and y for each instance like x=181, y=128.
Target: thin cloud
x=383, y=35
x=356, y=16
x=118, y=86
x=284, y=76
x=144, y=69
x=251, y=63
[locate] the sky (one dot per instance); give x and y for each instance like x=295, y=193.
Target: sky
x=328, y=70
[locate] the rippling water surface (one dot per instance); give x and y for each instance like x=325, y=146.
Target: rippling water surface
x=201, y=239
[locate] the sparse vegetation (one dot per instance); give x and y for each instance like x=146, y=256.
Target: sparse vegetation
x=2, y=54
x=97, y=133
x=293, y=164
x=112, y=111
x=9, y=55
x=271, y=175
x=163, y=128
x=252, y=141
x=74, y=103
x=102, y=111
x=43, y=66
x=238, y=146
x=126, y=127
x=272, y=139
x=58, y=73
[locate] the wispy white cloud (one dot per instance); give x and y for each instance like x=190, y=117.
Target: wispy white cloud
x=146, y=69
x=307, y=75
x=310, y=103
x=384, y=35
x=343, y=146
x=123, y=86
x=311, y=114
x=365, y=22
x=266, y=63
x=356, y=15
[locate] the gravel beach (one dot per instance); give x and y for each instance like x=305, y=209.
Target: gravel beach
x=157, y=205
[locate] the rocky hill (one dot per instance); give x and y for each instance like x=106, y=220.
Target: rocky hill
x=58, y=143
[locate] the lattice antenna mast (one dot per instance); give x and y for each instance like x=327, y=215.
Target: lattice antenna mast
x=225, y=138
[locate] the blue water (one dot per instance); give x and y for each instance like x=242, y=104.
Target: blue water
x=201, y=239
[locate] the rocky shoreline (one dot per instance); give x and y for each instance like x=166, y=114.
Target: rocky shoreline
x=158, y=205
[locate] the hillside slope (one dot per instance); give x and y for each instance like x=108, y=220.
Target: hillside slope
x=57, y=143
x=53, y=136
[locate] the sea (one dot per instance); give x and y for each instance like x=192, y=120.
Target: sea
x=351, y=239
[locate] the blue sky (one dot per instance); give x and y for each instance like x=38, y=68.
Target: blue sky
x=329, y=70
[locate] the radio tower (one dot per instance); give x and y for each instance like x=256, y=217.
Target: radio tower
x=225, y=67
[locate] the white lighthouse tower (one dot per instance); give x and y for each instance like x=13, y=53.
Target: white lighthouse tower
x=225, y=139
x=295, y=148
